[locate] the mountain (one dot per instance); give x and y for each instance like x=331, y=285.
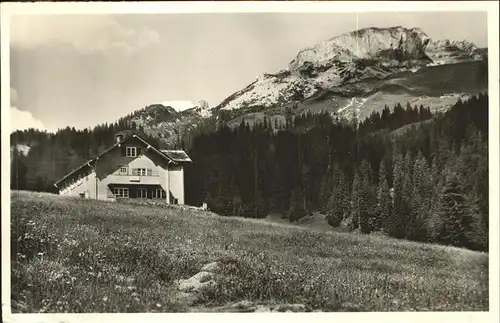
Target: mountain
x=168, y=124
x=359, y=72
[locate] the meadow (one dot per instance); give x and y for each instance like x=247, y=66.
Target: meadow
x=75, y=255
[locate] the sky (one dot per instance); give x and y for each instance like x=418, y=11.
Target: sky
x=80, y=71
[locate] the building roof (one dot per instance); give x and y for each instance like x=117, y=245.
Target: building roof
x=178, y=156
x=118, y=144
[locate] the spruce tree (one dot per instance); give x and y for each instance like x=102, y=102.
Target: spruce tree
x=384, y=204
x=396, y=224
x=355, y=201
x=477, y=228
x=419, y=203
x=296, y=210
x=334, y=214
x=452, y=210
x=367, y=210
x=337, y=206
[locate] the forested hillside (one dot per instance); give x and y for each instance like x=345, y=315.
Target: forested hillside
x=404, y=171
x=426, y=182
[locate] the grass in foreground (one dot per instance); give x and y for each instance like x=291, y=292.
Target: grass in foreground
x=72, y=255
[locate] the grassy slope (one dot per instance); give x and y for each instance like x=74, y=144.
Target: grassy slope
x=433, y=82
x=467, y=77
x=111, y=257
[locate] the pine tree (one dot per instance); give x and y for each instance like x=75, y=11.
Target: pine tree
x=368, y=219
x=382, y=173
x=420, y=200
x=343, y=194
x=395, y=225
x=407, y=177
x=434, y=224
x=384, y=204
x=356, y=195
x=366, y=171
x=453, y=211
x=334, y=214
x=328, y=184
x=297, y=209
x=337, y=206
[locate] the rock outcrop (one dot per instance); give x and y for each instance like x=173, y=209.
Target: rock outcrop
x=368, y=43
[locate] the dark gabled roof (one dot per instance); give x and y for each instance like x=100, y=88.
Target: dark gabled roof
x=171, y=160
x=178, y=156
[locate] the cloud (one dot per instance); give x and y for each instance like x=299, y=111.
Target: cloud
x=179, y=105
x=88, y=34
x=21, y=120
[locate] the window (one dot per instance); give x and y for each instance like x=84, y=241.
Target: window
x=157, y=193
x=121, y=192
x=142, y=193
x=139, y=171
x=142, y=172
x=131, y=152
x=124, y=170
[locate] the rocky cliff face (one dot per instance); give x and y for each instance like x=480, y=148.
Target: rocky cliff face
x=369, y=43
x=364, y=58
x=447, y=52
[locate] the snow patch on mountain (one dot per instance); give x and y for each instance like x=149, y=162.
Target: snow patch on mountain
x=269, y=89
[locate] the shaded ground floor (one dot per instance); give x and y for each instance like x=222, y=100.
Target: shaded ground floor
x=140, y=191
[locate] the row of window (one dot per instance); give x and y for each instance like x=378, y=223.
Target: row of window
x=124, y=170
x=141, y=193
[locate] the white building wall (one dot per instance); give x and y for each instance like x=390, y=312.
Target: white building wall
x=83, y=185
x=176, y=179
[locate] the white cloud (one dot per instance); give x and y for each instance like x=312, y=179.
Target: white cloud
x=21, y=120
x=179, y=105
x=90, y=34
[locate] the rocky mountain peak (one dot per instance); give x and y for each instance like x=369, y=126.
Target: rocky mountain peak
x=367, y=43
x=202, y=108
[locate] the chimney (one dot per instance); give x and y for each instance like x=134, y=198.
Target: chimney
x=119, y=138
